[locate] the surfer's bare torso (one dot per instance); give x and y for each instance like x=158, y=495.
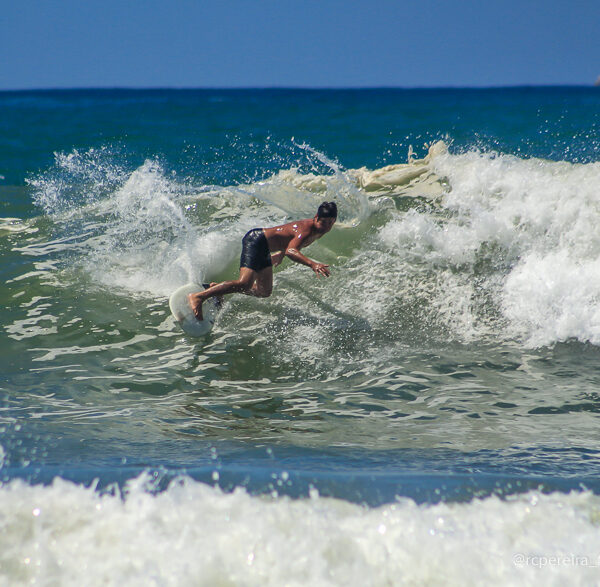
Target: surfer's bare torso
x=287, y=240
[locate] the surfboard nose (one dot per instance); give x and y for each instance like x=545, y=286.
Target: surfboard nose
x=181, y=308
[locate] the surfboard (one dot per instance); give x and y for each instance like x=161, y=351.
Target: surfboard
x=182, y=311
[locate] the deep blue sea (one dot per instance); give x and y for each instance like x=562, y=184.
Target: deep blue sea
x=427, y=415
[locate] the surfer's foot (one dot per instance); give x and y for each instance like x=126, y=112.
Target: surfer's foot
x=195, y=302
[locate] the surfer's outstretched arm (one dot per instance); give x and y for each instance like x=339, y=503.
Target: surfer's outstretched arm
x=298, y=257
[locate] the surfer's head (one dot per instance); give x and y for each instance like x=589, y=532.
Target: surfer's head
x=326, y=216
x=327, y=210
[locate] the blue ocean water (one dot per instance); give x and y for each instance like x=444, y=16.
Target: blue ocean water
x=427, y=414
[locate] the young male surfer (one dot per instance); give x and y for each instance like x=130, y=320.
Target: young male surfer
x=262, y=248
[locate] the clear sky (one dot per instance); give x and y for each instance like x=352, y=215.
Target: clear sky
x=297, y=43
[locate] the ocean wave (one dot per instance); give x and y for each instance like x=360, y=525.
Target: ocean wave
x=461, y=246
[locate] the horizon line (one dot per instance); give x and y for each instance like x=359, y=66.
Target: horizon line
x=286, y=88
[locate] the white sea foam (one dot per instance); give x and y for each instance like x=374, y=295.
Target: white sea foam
x=553, y=296
x=193, y=534
x=524, y=233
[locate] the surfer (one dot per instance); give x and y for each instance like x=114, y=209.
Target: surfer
x=263, y=248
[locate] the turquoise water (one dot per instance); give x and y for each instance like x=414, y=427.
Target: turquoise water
x=448, y=369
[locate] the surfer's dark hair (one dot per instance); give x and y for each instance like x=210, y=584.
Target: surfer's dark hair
x=327, y=210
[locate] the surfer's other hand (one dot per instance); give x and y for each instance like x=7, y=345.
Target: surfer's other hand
x=321, y=269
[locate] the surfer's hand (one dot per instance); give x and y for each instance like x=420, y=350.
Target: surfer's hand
x=276, y=258
x=321, y=269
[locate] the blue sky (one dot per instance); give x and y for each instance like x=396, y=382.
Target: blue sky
x=327, y=43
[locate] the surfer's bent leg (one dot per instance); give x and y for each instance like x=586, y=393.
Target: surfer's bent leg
x=255, y=263
x=241, y=285
x=263, y=286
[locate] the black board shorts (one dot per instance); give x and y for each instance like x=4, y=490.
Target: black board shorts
x=255, y=250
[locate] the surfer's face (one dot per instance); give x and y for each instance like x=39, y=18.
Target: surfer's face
x=324, y=224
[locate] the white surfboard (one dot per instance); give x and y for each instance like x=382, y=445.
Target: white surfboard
x=183, y=313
